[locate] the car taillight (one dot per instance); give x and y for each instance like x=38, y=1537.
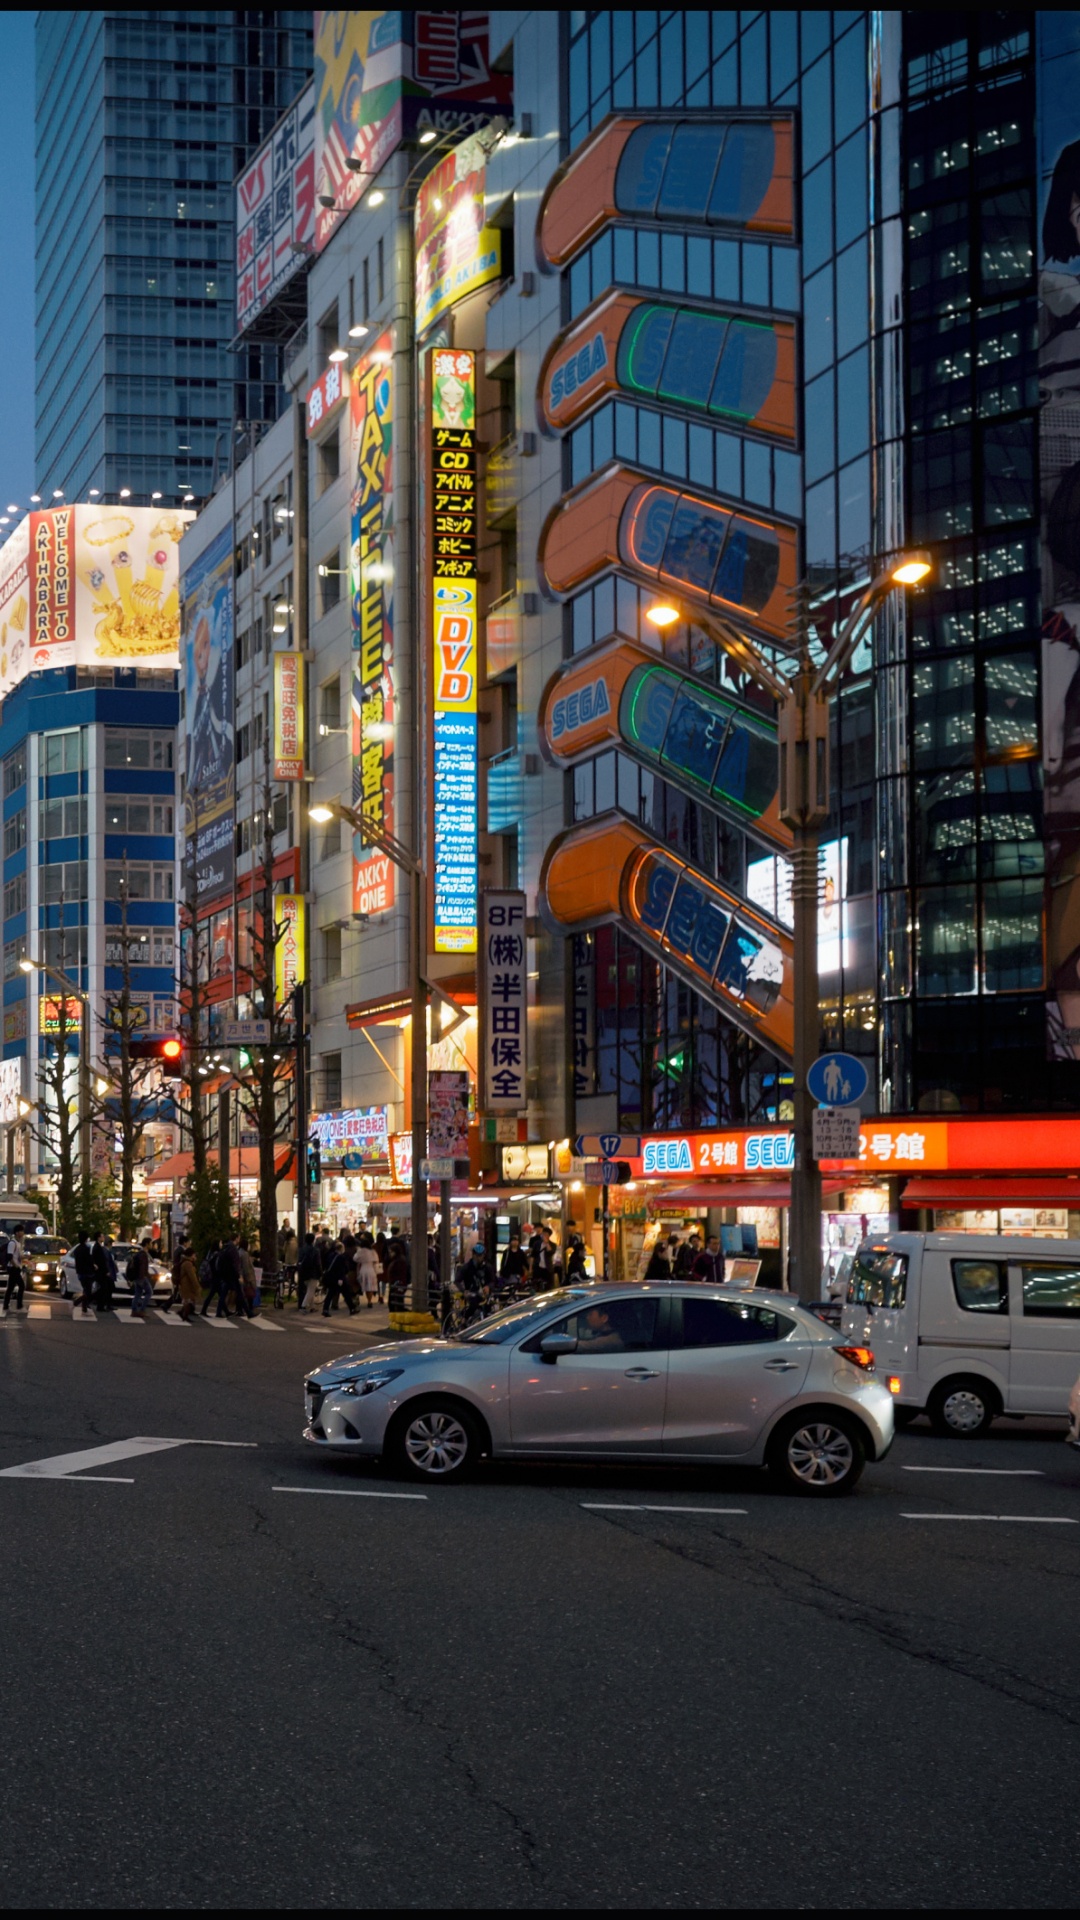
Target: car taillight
x=859, y=1356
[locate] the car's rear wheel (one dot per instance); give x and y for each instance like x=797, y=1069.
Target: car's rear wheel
x=818, y=1454
x=434, y=1440
x=962, y=1407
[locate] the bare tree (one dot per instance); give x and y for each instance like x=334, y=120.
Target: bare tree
x=137, y=1085
x=191, y=1002
x=51, y=1120
x=266, y=1097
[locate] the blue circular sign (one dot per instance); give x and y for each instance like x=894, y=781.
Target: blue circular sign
x=837, y=1080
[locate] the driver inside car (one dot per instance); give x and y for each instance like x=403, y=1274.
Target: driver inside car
x=596, y=1334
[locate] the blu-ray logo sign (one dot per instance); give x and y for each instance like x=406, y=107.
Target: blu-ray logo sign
x=590, y=359
x=769, y=1150
x=668, y=1156
x=576, y=709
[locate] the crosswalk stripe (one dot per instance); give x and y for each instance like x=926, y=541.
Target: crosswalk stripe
x=265, y=1325
x=169, y=1319
x=214, y=1320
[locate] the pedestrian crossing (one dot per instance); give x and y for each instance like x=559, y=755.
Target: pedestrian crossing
x=43, y=1312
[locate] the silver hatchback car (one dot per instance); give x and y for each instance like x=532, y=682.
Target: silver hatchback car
x=675, y=1374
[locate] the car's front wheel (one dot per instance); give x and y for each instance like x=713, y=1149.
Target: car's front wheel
x=819, y=1454
x=434, y=1440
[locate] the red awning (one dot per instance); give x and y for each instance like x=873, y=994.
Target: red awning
x=243, y=1165
x=746, y=1193
x=999, y=1189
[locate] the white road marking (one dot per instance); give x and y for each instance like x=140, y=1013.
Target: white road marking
x=1008, y=1473
x=59, y=1466
x=219, y=1320
x=78, y=1314
x=321, y=1330
x=621, y=1506
x=39, y=1310
x=351, y=1493
x=264, y=1325
x=126, y=1317
x=1016, y=1519
x=168, y=1320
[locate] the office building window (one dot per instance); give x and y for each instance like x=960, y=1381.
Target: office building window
x=15, y=831
x=62, y=818
x=137, y=747
x=331, y=576
x=14, y=951
x=64, y=880
x=137, y=813
x=330, y=705
x=331, y=954
x=15, y=896
x=140, y=880
x=331, y=1079
x=15, y=769
x=63, y=752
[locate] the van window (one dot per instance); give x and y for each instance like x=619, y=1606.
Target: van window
x=981, y=1286
x=1050, y=1291
x=878, y=1278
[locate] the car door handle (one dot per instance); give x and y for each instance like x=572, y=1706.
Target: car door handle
x=642, y=1373
x=781, y=1366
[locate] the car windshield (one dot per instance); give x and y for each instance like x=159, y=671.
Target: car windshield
x=44, y=1246
x=520, y=1319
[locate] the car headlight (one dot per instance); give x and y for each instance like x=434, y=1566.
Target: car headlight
x=41, y=1266
x=359, y=1384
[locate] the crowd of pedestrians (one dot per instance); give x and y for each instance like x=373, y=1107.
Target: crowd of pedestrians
x=690, y=1259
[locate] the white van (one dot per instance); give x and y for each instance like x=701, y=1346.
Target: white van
x=968, y=1325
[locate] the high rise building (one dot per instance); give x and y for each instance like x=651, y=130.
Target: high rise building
x=143, y=121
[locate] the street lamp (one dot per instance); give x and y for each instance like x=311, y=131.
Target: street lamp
x=803, y=696
x=28, y=964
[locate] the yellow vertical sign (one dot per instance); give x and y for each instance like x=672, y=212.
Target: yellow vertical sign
x=290, y=953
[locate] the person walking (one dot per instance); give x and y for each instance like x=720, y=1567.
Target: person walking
x=230, y=1279
x=208, y=1274
x=685, y=1256
x=542, y=1249
x=367, y=1268
x=245, y=1292
x=289, y=1252
x=138, y=1272
x=101, y=1273
x=308, y=1275
x=659, y=1267
x=397, y=1274
x=84, y=1269
x=16, y=1257
x=334, y=1280
x=709, y=1265
x=575, y=1261
x=188, y=1282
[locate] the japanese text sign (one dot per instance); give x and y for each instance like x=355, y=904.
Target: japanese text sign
x=503, y=1001
x=288, y=717
x=371, y=587
x=454, y=644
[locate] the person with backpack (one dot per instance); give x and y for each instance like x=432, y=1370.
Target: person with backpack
x=13, y=1260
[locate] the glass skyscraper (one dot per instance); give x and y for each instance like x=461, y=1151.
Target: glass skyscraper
x=143, y=121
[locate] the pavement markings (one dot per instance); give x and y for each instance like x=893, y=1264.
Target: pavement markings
x=621, y=1506
x=167, y=1319
x=219, y=1320
x=126, y=1317
x=1008, y=1519
x=351, y=1493
x=62, y=1466
x=1007, y=1473
x=265, y=1326
x=39, y=1310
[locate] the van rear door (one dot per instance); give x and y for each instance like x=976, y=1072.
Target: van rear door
x=1044, y=1298
x=877, y=1295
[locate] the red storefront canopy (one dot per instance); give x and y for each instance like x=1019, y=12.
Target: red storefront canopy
x=1001, y=1189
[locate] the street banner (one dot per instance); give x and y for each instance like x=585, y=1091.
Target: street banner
x=289, y=717
x=504, y=1001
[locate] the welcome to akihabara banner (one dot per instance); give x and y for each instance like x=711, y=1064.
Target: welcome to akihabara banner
x=90, y=586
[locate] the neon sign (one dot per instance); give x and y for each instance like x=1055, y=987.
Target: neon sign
x=455, y=668
x=371, y=575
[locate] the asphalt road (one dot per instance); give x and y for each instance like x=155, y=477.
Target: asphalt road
x=544, y=1688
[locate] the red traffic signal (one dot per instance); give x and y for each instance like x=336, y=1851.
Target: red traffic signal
x=165, y=1048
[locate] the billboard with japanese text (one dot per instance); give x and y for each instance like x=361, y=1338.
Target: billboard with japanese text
x=275, y=210
x=455, y=251
x=371, y=587
x=455, y=660
x=209, y=712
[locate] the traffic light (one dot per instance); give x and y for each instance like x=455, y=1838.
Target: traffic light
x=314, y=1163
x=165, y=1048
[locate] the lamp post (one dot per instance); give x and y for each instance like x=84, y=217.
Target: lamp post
x=803, y=697
x=411, y=864
x=29, y=965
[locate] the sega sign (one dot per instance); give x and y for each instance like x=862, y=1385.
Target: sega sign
x=590, y=359
x=667, y=1156
x=769, y=1150
x=576, y=709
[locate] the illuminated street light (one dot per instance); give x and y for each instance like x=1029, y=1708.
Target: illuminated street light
x=339, y=354
x=428, y=136
x=376, y=199
x=663, y=615
x=912, y=568
x=359, y=331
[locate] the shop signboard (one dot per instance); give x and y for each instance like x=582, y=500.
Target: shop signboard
x=289, y=717
x=455, y=251
x=893, y=1145
x=371, y=587
x=357, y=1131
x=504, y=1001
x=290, y=951
x=209, y=718
x=56, y=1011
x=325, y=397
x=454, y=550
x=529, y=1162
x=448, y=1115
x=401, y=1159
x=275, y=210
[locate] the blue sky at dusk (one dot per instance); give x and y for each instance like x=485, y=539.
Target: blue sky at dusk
x=17, y=173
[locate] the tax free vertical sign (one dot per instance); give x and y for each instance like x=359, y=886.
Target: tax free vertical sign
x=504, y=989
x=454, y=530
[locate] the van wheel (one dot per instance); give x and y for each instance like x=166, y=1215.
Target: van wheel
x=962, y=1407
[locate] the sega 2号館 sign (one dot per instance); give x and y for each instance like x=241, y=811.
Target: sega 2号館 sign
x=762, y=1153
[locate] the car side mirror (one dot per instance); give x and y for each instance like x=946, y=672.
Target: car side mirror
x=555, y=1343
